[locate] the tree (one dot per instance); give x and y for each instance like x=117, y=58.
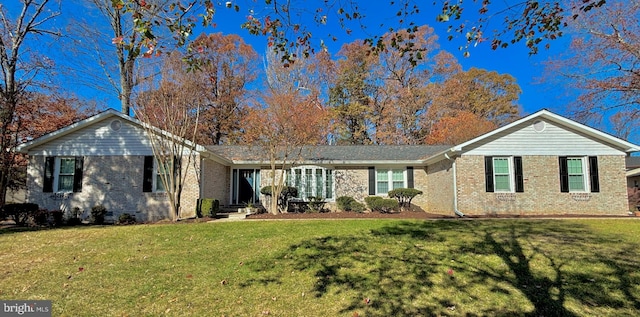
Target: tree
x=487, y=94
x=382, y=98
x=39, y=114
x=19, y=75
x=170, y=108
x=289, y=24
x=226, y=64
x=457, y=127
x=603, y=65
x=403, y=96
x=290, y=117
x=532, y=21
x=350, y=96
x=130, y=24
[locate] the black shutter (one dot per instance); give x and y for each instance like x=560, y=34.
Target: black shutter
x=488, y=173
x=372, y=180
x=409, y=176
x=49, y=163
x=77, y=175
x=147, y=181
x=593, y=174
x=517, y=161
x=564, y=174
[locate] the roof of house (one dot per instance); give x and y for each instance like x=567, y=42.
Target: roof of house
x=596, y=134
x=335, y=154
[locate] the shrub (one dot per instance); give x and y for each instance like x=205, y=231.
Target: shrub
x=404, y=195
x=21, y=213
x=286, y=194
x=126, y=219
x=207, y=207
x=41, y=217
x=316, y=204
x=347, y=203
x=380, y=204
x=98, y=214
x=58, y=217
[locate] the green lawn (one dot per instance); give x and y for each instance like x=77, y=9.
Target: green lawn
x=330, y=268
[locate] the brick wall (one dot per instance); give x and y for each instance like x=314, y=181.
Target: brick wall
x=114, y=182
x=439, y=188
x=541, y=194
x=215, y=181
x=353, y=182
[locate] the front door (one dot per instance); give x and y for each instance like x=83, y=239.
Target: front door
x=246, y=186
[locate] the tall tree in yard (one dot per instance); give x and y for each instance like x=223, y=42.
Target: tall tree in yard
x=604, y=65
x=457, y=127
x=130, y=25
x=19, y=75
x=169, y=107
x=404, y=82
x=39, y=114
x=291, y=116
x=487, y=94
x=351, y=94
x=226, y=64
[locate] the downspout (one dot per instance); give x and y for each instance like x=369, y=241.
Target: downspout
x=455, y=187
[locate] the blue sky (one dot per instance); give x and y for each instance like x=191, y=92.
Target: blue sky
x=514, y=60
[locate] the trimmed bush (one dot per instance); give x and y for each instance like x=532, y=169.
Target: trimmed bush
x=347, y=203
x=316, y=204
x=98, y=214
x=404, y=195
x=21, y=213
x=58, y=217
x=41, y=217
x=380, y=204
x=286, y=194
x=126, y=219
x=207, y=207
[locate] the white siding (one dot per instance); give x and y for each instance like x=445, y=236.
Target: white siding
x=99, y=139
x=553, y=140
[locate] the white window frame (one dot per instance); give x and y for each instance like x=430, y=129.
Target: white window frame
x=156, y=178
x=56, y=173
x=586, y=188
x=390, y=178
x=304, y=183
x=512, y=174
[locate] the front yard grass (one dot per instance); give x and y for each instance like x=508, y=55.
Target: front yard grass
x=330, y=268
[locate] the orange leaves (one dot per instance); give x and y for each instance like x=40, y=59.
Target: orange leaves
x=458, y=127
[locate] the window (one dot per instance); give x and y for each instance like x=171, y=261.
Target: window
x=63, y=174
x=503, y=174
x=160, y=171
x=388, y=179
x=312, y=181
x=576, y=174
x=153, y=173
x=579, y=174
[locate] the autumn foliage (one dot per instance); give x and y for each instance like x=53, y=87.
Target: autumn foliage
x=458, y=127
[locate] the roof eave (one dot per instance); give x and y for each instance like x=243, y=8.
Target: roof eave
x=25, y=147
x=335, y=162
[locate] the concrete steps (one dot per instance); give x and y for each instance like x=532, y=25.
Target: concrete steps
x=231, y=216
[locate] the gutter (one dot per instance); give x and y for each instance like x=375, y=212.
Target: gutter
x=455, y=187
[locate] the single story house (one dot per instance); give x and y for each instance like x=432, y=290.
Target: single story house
x=633, y=182
x=542, y=164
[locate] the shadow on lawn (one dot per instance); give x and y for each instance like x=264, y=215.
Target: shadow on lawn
x=404, y=269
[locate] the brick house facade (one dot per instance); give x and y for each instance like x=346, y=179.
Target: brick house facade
x=542, y=164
